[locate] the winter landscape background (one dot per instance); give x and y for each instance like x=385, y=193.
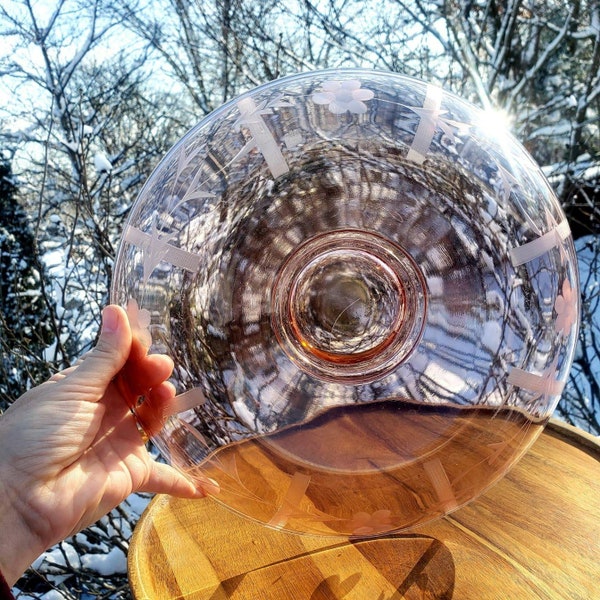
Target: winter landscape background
x=93, y=93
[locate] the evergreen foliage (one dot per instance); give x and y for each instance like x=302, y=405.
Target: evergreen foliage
x=25, y=326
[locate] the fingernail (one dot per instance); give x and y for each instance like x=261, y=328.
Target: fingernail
x=206, y=485
x=213, y=487
x=110, y=320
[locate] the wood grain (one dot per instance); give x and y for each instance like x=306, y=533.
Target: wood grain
x=534, y=535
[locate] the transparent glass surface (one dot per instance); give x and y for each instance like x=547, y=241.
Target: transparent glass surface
x=370, y=294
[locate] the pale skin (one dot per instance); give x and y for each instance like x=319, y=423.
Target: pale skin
x=70, y=449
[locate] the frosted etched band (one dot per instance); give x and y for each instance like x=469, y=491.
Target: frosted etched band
x=427, y=125
x=542, y=384
x=262, y=137
x=536, y=248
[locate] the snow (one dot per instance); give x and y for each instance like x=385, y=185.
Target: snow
x=54, y=260
x=29, y=294
x=558, y=129
x=591, y=173
x=101, y=163
x=62, y=557
x=114, y=561
x=51, y=595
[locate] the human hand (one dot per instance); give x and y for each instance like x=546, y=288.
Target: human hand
x=70, y=449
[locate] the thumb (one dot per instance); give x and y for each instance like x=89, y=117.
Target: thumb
x=110, y=354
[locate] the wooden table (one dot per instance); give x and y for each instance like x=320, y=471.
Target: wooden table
x=536, y=534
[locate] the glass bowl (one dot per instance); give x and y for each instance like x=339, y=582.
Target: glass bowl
x=370, y=294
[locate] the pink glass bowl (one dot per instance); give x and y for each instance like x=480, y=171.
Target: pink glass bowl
x=370, y=294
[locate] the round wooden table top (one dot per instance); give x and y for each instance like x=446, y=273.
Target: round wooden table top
x=535, y=534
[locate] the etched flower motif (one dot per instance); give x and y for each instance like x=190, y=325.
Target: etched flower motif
x=566, y=309
x=139, y=320
x=343, y=96
x=364, y=523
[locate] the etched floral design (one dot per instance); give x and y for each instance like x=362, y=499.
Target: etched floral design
x=157, y=247
x=364, y=523
x=139, y=320
x=566, y=309
x=343, y=96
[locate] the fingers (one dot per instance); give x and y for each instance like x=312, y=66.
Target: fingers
x=152, y=413
x=142, y=374
x=165, y=479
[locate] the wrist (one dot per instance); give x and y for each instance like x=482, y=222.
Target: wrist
x=19, y=545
